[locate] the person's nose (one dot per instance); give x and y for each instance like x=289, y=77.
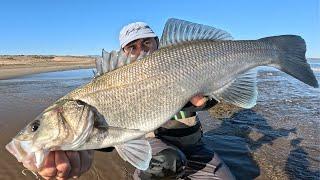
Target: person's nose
x=139, y=48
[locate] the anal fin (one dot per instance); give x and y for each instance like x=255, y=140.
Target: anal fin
x=136, y=152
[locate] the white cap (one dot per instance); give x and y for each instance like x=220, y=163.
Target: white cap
x=135, y=31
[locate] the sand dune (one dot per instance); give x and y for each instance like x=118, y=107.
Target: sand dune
x=19, y=65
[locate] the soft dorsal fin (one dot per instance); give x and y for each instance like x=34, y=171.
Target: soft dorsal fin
x=242, y=91
x=177, y=31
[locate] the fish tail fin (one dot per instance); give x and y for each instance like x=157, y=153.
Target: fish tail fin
x=292, y=58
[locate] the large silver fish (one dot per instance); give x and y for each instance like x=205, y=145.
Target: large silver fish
x=121, y=106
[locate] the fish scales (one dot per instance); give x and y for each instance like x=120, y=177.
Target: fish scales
x=140, y=95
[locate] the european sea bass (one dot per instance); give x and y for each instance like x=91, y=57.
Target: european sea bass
x=121, y=106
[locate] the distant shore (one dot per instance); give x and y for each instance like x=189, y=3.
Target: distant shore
x=12, y=66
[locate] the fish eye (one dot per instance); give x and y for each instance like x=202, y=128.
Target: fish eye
x=34, y=126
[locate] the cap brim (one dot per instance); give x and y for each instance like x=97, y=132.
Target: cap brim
x=139, y=36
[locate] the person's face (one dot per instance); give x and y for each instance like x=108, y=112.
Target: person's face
x=135, y=48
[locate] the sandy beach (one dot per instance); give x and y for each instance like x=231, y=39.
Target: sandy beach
x=12, y=66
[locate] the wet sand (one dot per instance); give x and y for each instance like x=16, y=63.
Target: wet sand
x=277, y=139
x=19, y=65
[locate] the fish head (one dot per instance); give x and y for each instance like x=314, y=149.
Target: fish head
x=63, y=126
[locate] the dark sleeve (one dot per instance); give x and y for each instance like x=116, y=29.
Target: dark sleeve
x=189, y=107
x=109, y=149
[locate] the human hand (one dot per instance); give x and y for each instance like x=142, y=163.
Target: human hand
x=66, y=164
x=198, y=100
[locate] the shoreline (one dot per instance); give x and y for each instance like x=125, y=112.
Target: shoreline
x=16, y=66
x=18, y=72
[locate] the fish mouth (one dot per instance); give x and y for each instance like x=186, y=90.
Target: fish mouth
x=31, y=157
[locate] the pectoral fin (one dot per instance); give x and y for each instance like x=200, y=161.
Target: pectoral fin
x=241, y=92
x=136, y=152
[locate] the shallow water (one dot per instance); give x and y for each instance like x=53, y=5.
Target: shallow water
x=277, y=139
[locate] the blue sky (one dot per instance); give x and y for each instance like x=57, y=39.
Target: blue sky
x=76, y=27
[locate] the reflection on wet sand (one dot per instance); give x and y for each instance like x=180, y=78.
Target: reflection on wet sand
x=279, y=138
x=239, y=138
x=298, y=162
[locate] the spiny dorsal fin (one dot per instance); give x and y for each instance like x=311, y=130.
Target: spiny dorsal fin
x=177, y=31
x=242, y=91
x=114, y=60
